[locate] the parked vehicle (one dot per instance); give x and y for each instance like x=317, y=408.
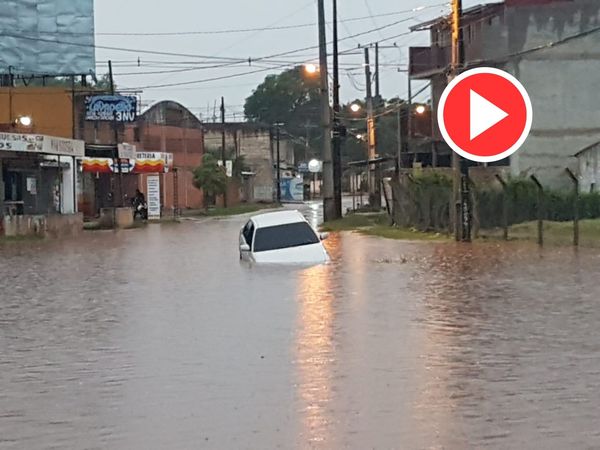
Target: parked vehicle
x=140, y=208
x=283, y=237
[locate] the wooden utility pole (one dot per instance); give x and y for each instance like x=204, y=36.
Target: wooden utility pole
x=329, y=212
x=374, y=198
x=116, y=138
x=223, y=143
x=377, y=89
x=337, y=126
x=461, y=190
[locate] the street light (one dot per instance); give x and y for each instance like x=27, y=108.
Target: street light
x=355, y=107
x=311, y=69
x=420, y=109
x=359, y=137
x=25, y=121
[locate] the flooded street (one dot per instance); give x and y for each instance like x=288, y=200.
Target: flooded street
x=159, y=338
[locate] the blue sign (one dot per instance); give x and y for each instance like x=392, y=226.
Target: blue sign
x=303, y=167
x=292, y=190
x=111, y=108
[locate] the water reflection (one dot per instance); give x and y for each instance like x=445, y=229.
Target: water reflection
x=315, y=351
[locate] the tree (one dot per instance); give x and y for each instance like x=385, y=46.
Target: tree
x=211, y=179
x=292, y=98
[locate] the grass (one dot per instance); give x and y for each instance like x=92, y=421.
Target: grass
x=378, y=225
x=558, y=233
x=244, y=208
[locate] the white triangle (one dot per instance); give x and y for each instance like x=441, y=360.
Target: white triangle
x=484, y=115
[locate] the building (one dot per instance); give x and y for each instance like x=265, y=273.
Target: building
x=551, y=47
x=38, y=162
x=168, y=127
x=589, y=168
x=257, y=144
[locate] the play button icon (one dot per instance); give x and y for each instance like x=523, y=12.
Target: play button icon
x=485, y=115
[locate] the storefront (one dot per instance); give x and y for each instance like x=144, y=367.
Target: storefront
x=101, y=179
x=37, y=177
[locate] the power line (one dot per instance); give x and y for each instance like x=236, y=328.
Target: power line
x=267, y=28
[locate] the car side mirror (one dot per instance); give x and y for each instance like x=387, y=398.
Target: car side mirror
x=245, y=247
x=324, y=236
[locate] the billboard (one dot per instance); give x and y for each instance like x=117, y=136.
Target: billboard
x=47, y=37
x=119, y=108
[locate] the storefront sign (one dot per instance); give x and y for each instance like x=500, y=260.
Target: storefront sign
x=109, y=108
x=127, y=151
x=153, y=189
x=38, y=143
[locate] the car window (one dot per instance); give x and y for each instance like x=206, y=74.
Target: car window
x=284, y=236
x=248, y=233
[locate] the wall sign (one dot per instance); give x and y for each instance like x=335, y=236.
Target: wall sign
x=39, y=143
x=153, y=197
x=109, y=108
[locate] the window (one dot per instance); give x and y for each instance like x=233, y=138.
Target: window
x=248, y=233
x=284, y=236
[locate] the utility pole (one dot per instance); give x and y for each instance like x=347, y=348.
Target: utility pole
x=116, y=137
x=460, y=168
x=337, y=129
x=278, y=165
x=377, y=87
x=374, y=202
x=327, y=190
x=399, y=150
x=223, y=143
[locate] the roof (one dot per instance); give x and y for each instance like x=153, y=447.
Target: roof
x=585, y=149
x=468, y=14
x=278, y=218
x=170, y=113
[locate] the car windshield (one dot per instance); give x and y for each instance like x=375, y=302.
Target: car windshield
x=284, y=236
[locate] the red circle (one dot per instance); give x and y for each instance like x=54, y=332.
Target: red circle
x=498, y=138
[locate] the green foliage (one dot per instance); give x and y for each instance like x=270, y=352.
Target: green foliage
x=292, y=98
x=210, y=178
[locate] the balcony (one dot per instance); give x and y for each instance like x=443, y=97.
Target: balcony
x=425, y=62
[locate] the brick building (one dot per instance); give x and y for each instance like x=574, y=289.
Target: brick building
x=169, y=127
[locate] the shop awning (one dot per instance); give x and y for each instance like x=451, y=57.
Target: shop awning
x=145, y=162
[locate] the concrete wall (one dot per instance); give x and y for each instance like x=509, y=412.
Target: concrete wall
x=50, y=108
x=562, y=82
x=254, y=144
x=54, y=225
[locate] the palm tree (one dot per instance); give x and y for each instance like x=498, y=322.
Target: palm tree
x=211, y=179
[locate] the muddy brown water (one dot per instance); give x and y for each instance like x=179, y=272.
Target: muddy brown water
x=160, y=339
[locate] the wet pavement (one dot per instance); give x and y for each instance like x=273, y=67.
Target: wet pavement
x=159, y=338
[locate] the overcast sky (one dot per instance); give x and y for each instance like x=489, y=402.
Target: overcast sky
x=143, y=16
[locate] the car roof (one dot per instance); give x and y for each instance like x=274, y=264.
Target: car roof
x=277, y=218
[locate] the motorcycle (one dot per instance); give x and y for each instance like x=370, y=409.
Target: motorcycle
x=140, y=208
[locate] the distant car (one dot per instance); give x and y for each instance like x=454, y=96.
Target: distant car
x=283, y=237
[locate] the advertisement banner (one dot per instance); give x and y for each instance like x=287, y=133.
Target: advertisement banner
x=292, y=190
x=38, y=143
x=153, y=198
x=111, y=108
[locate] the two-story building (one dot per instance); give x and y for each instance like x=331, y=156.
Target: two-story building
x=551, y=46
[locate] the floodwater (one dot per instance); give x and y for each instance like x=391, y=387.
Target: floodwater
x=160, y=338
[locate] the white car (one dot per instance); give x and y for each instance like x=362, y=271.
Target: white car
x=281, y=237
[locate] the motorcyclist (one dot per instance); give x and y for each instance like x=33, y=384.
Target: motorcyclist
x=139, y=204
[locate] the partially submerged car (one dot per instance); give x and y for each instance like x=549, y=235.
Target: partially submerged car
x=283, y=237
